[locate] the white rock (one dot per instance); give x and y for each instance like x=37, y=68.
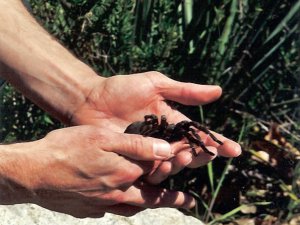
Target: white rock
x=29, y=214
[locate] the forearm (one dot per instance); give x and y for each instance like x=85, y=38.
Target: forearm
x=17, y=174
x=36, y=64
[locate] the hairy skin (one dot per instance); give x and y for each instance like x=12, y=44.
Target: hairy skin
x=43, y=70
x=84, y=177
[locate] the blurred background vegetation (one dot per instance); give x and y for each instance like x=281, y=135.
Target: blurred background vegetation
x=250, y=48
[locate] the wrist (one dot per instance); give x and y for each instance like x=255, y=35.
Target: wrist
x=84, y=112
x=59, y=88
x=79, y=96
x=17, y=174
x=69, y=89
x=39, y=66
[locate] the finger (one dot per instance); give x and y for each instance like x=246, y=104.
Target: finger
x=165, y=168
x=202, y=158
x=181, y=160
x=160, y=174
x=229, y=148
x=138, y=147
x=186, y=159
x=153, y=197
x=188, y=93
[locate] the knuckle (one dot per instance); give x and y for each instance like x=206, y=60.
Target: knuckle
x=124, y=178
x=96, y=135
x=128, y=177
x=137, y=145
x=155, y=74
x=159, y=80
x=132, y=174
x=99, y=132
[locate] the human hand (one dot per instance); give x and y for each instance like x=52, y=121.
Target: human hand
x=120, y=100
x=65, y=87
x=78, y=171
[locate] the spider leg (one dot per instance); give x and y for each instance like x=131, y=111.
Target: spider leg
x=205, y=130
x=196, y=141
x=156, y=130
x=150, y=124
x=195, y=154
x=163, y=122
x=151, y=119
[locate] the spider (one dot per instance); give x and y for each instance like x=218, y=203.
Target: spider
x=172, y=132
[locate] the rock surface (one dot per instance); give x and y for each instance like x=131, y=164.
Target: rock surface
x=29, y=214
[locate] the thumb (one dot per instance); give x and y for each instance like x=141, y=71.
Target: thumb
x=188, y=93
x=138, y=147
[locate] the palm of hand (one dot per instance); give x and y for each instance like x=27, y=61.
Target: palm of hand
x=121, y=100
x=118, y=101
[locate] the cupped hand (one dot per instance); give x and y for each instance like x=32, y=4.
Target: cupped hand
x=117, y=101
x=80, y=171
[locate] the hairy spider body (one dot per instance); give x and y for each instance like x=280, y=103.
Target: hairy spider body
x=172, y=132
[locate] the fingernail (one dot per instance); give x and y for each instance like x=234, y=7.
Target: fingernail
x=188, y=160
x=162, y=149
x=238, y=149
x=192, y=204
x=189, y=203
x=213, y=87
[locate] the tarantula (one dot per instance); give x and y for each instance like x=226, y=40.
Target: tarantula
x=172, y=132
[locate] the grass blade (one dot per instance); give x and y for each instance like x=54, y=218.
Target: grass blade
x=143, y=11
x=188, y=11
x=225, y=171
x=231, y=213
x=276, y=47
x=211, y=176
x=228, y=27
x=294, y=10
x=216, y=192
